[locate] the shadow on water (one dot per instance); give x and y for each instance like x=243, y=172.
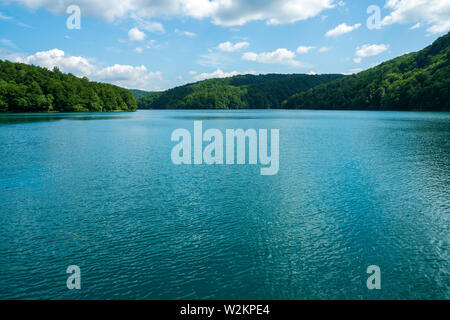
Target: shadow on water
x=20, y=118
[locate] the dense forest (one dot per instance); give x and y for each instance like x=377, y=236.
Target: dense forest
x=239, y=92
x=25, y=88
x=416, y=81
x=138, y=94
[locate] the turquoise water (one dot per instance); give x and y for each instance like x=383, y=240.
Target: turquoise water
x=100, y=191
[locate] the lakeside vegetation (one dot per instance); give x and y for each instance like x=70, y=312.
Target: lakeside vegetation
x=26, y=88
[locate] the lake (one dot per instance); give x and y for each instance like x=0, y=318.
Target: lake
x=100, y=191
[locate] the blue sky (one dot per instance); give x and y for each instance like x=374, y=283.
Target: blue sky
x=155, y=44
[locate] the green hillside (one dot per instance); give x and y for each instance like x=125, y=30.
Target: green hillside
x=140, y=93
x=239, y=92
x=415, y=81
x=25, y=88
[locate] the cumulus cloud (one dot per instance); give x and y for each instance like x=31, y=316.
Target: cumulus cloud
x=229, y=47
x=127, y=76
x=341, y=29
x=434, y=13
x=239, y=12
x=221, y=12
x=57, y=58
x=122, y=75
x=220, y=74
x=136, y=35
x=304, y=49
x=369, y=50
x=279, y=56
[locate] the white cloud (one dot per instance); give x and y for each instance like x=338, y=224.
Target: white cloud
x=279, y=56
x=341, y=29
x=221, y=12
x=239, y=12
x=304, y=49
x=122, y=75
x=139, y=50
x=229, y=47
x=416, y=26
x=220, y=74
x=57, y=58
x=369, y=50
x=192, y=72
x=136, y=35
x=434, y=13
x=127, y=76
x=149, y=26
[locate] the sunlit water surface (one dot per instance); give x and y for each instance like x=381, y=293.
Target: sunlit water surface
x=100, y=191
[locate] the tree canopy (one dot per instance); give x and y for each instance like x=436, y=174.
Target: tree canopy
x=25, y=88
x=239, y=92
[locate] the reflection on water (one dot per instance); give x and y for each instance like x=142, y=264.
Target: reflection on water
x=354, y=189
x=42, y=117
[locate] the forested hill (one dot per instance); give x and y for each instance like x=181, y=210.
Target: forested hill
x=239, y=92
x=140, y=93
x=416, y=81
x=25, y=88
